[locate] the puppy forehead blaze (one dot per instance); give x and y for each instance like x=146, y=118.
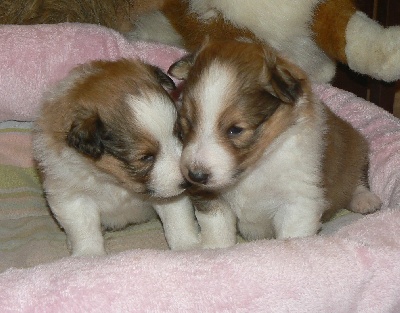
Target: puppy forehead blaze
x=209, y=96
x=155, y=113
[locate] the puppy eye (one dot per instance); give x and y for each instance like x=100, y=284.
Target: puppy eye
x=235, y=131
x=148, y=158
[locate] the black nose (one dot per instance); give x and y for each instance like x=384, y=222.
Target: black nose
x=199, y=177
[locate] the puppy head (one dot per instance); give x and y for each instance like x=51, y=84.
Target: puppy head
x=237, y=98
x=117, y=116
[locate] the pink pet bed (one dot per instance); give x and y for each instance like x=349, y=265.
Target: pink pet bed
x=353, y=266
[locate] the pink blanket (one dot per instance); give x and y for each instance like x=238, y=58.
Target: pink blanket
x=355, y=269
x=34, y=57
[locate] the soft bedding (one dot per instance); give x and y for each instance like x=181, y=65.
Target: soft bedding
x=352, y=266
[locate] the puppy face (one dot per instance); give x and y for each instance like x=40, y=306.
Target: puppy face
x=117, y=117
x=237, y=98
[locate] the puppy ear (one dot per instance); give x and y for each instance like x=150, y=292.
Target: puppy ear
x=284, y=80
x=163, y=78
x=180, y=69
x=86, y=133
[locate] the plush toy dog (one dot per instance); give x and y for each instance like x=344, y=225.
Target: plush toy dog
x=314, y=34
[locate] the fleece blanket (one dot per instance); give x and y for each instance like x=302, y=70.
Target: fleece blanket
x=352, y=266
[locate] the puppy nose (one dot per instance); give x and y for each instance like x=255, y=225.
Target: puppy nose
x=199, y=177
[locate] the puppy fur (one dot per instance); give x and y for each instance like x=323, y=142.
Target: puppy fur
x=117, y=14
x=261, y=149
x=106, y=143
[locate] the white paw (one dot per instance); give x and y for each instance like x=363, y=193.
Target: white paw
x=187, y=244
x=365, y=202
x=218, y=243
x=88, y=251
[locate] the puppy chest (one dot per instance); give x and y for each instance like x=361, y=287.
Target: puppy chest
x=279, y=182
x=118, y=207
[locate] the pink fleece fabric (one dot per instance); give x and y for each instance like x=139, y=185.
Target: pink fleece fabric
x=356, y=269
x=34, y=57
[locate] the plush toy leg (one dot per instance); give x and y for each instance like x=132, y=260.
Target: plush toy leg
x=372, y=49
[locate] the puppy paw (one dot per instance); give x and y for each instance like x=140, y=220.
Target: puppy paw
x=218, y=244
x=364, y=202
x=187, y=244
x=88, y=251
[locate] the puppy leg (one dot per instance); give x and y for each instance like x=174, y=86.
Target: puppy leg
x=179, y=222
x=299, y=219
x=364, y=201
x=81, y=222
x=255, y=231
x=218, y=226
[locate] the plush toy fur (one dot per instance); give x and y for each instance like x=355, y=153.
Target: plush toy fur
x=314, y=34
x=116, y=14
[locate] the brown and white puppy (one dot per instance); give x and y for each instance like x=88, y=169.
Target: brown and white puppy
x=106, y=142
x=260, y=148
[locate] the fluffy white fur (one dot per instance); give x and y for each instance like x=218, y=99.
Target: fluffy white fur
x=373, y=49
x=280, y=195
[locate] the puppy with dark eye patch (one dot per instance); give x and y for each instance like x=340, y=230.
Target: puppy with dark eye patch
x=261, y=150
x=106, y=143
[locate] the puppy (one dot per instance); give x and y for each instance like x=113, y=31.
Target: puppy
x=106, y=143
x=261, y=149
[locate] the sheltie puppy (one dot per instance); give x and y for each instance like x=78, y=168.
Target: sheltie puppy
x=106, y=143
x=261, y=150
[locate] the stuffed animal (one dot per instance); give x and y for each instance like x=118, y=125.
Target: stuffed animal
x=315, y=34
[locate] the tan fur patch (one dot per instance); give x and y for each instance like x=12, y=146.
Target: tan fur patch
x=329, y=26
x=345, y=163
x=117, y=14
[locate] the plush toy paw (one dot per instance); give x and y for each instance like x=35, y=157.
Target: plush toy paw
x=372, y=49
